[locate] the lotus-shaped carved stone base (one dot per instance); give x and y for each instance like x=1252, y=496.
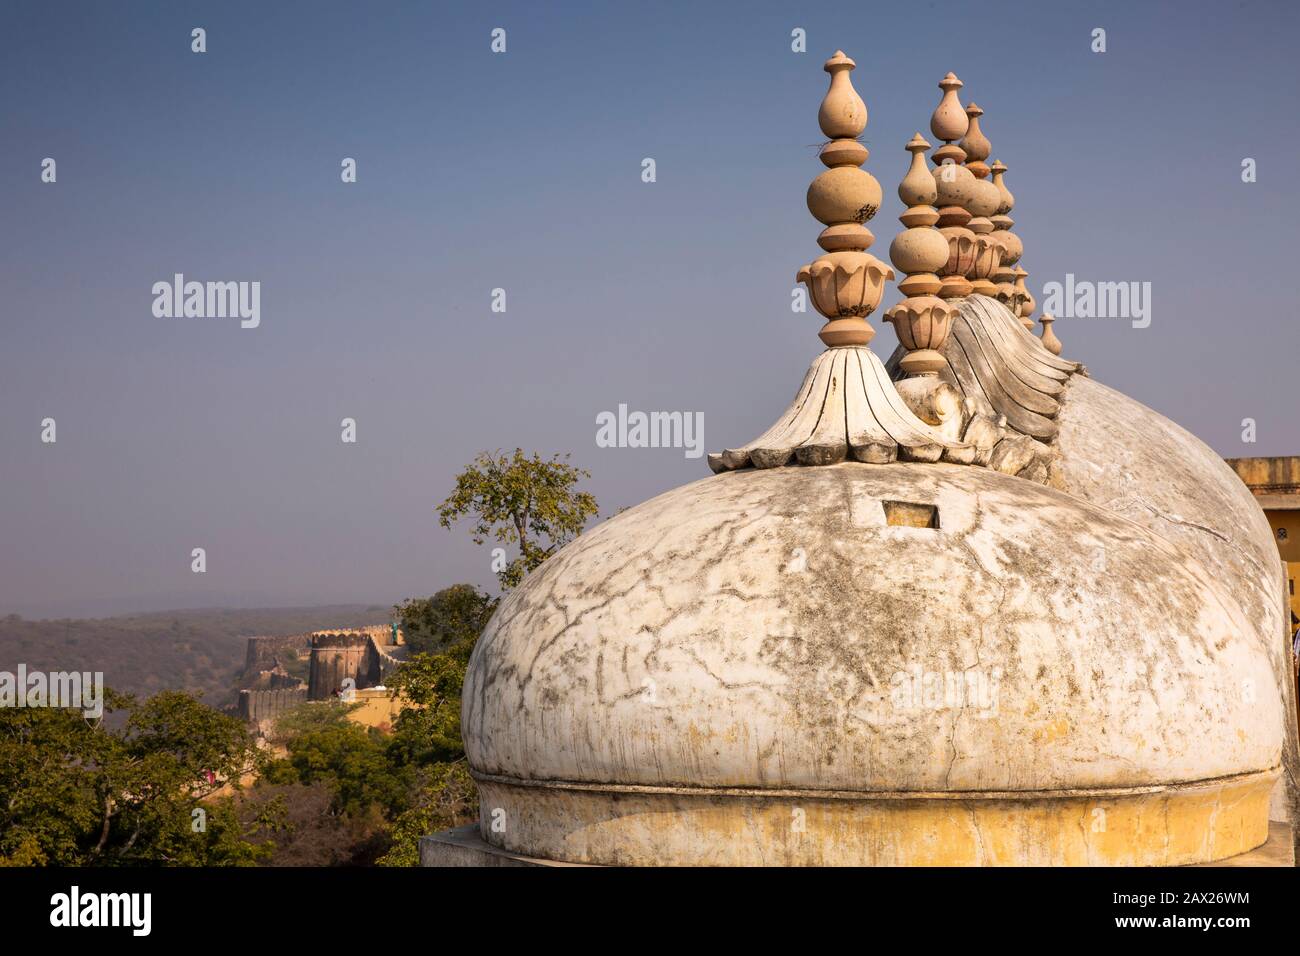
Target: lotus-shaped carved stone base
x=987, y=263
x=922, y=323
x=847, y=408
x=846, y=287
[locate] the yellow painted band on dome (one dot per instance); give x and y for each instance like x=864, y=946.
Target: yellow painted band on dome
x=587, y=823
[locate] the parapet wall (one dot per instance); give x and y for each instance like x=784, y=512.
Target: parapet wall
x=263, y=651
x=336, y=661
x=1278, y=475
x=363, y=655
x=256, y=706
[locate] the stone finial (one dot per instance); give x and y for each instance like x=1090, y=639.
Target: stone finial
x=999, y=170
x=848, y=406
x=1005, y=286
x=920, y=250
x=1048, y=337
x=983, y=202
x=949, y=122
x=1024, y=300
x=846, y=283
x=1011, y=249
x=1016, y=387
x=842, y=115
x=921, y=320
x=976, y=145
x=956, y=187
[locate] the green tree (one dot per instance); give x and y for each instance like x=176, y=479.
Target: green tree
x=316, y=715
x=427, y=729
x=426, y=735
x=77, y=793
x=427, y=739
x=56, y=783
x=525, y=501
x=386, y=791
x=307, y=832
x=447, y=798
x=451, y=619
x=528, y=502
x=326, y=747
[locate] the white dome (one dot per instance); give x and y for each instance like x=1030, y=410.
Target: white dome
x=767, y=633
x=1117, y=453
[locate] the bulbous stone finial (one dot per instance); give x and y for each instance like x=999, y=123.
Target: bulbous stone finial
x=1024, y=300
x=848, y=407
x=846, y=284
x=1012, y=249
x=949, y=122
x=983, y=202
x=917, y=187
x=1004, y=277
x=956, y=186
x=843, y=115
x=1048, y=337
x=921, y=320
x=976, y=145
x=999, y=170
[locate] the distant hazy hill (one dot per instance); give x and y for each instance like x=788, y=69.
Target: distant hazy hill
x=200, y=651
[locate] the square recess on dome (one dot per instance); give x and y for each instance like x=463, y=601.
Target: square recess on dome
x=911, y=514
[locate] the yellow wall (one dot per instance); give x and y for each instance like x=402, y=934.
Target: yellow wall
x=1289, y=523
x=1288, y=547
x=1268, y=474
x=1276, y=481
x=377, y=709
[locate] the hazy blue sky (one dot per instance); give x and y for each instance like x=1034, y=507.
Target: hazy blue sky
x=522, y=171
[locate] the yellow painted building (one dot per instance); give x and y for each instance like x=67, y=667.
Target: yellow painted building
x=377, y=707
x=1275, y=483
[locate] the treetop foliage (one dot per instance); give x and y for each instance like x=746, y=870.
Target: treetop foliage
x=529, y=502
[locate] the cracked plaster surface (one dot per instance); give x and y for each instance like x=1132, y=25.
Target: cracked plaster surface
x=763, y=629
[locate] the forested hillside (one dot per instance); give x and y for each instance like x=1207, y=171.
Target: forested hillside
x=201, y=651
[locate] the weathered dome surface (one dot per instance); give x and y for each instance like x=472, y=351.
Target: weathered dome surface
x=1116, y=453
x=766, y=635
x=1121, y=455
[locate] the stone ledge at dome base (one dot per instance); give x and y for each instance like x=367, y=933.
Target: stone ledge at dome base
x=463, y=847
x=1173, y=825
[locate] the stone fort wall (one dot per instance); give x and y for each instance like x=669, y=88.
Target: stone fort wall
x=264, y=706
x=263, y=651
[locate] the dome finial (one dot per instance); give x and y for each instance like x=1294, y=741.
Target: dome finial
x=949, y=122
x=847, y=406
x=1024, y=300
x=976, y=145
x=921, y=320
x=955, y=184
x=842, y=114
x=1005, y=276
x=1048, y=337
x=846, y=283
x=983, y=202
